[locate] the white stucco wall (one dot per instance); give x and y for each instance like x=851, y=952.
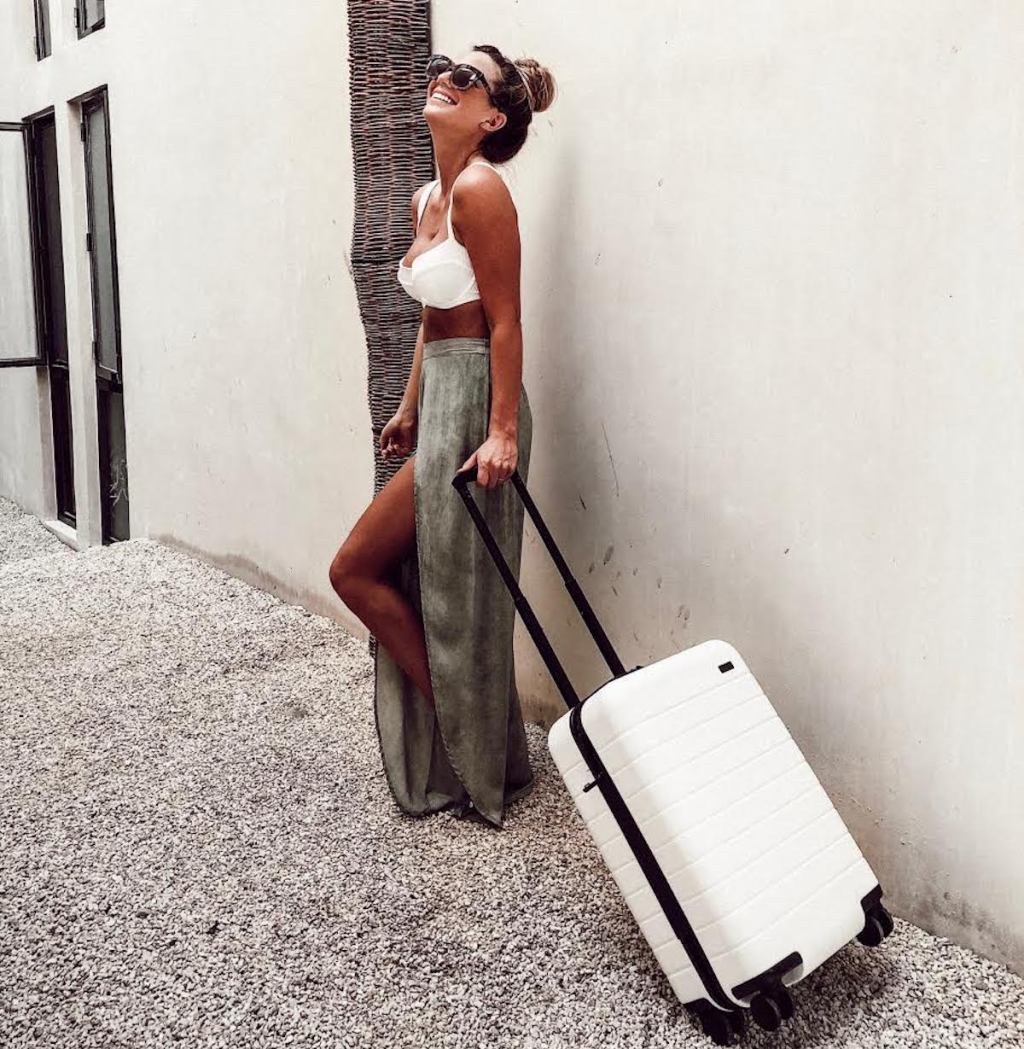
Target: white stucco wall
x=244, y=357
x=771, y=323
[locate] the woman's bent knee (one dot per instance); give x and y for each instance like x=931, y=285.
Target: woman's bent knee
x=345, y=578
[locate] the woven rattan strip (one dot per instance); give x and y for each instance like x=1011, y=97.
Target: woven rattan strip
x=389, y=44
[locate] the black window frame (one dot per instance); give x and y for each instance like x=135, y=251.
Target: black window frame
x=80, y=17
x=44, y=37
x=51, y=291
x=100, y=98
x=115, y=526
x=40, y=358
x=47, y=354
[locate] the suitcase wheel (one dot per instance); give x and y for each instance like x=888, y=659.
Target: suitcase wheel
x=878, y=924
x=723, y=1028
x=771, y=1007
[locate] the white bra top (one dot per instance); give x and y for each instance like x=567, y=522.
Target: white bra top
x=441, y=276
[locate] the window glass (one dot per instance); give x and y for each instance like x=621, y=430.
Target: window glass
x=42, y=28
x=102, y=237
x=90, y=15
x=17, y=296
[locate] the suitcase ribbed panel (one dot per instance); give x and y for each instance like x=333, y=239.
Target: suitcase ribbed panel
x=749, y=841
x=625, y=870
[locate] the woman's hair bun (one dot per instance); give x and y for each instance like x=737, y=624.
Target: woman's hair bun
x=539, y=83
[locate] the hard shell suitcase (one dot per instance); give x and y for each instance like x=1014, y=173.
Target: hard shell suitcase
x=738, y=869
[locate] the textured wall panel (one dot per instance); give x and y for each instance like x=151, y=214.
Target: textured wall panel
x=389, y=43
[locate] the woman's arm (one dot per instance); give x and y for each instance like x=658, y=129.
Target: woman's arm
x=506, y=378
x=484, y=215
x=410, y=399
x=410, y=405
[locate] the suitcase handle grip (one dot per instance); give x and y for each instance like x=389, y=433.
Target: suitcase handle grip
x=461, y=484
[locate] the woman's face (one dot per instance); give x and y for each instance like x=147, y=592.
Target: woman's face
x=472, y=106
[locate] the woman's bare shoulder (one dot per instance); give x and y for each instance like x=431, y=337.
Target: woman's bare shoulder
x=482, y=186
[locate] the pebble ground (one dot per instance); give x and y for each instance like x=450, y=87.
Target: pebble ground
x=198, y=848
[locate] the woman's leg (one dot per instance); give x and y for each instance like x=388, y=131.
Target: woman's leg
x=360, y=571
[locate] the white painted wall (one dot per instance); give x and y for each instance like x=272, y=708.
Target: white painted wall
x=771, y=324
x=772, y=267
x=244, y=357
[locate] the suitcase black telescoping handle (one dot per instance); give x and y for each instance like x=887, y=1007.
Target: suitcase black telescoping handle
x=461, y=482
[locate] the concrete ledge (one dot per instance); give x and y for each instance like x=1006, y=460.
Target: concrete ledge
x=64, y=532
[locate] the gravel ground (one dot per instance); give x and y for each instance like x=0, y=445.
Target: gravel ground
x=198, y=848
x=21, y=536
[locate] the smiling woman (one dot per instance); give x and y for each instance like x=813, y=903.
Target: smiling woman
x=413, y=569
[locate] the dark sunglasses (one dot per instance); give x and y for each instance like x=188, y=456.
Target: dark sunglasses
x=463, y=76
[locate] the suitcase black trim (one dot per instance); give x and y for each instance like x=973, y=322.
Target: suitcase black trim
x=648, y=864
x=770, y=978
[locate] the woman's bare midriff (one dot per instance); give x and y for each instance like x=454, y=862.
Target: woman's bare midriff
x=467, y=320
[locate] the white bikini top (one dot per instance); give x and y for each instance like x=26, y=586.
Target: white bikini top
x=441, y=276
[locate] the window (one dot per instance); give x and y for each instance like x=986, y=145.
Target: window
x=106, y=346
x=52, y=307
x=88, y=15
x=33, y=328
x=42, y=28
x=21, y=330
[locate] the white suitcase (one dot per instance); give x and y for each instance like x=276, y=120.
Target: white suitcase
x=739, y=871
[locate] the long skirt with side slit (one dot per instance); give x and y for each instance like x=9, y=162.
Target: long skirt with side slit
x=469, y=754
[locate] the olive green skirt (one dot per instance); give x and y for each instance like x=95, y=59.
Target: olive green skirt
x=471, y=754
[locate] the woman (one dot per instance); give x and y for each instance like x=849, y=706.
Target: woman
x=414, y=569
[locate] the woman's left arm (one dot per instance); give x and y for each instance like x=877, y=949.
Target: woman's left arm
x=488, y=225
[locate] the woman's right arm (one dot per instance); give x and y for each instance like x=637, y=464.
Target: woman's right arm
x=410, y=399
